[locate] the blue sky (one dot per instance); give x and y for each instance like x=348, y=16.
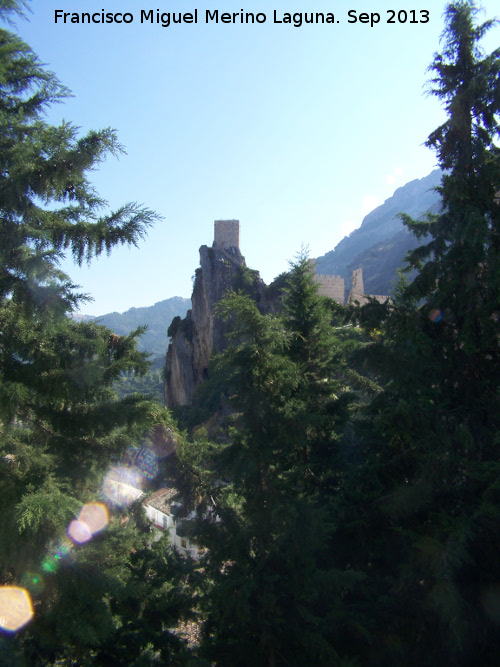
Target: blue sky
x=296, y=131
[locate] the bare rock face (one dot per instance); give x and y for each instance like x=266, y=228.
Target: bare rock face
x=200, y=334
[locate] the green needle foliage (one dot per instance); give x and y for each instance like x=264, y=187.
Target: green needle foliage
x=424, y=503
x=272, y=590
x=459, y=272
x=113, y=600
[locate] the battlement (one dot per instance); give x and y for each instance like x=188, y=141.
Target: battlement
x=332, y=287
x=328, y=280
x=227, y=234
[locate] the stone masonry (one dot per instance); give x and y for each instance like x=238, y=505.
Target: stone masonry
x=201, y=333
x=226, y=234
x=358, y=288
x=334, y=288
x=331, y=286
x=357, y=294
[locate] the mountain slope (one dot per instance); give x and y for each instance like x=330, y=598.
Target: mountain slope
x=380, y=244
x=157, y=317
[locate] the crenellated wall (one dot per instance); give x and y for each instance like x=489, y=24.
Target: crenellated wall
x=332, y=287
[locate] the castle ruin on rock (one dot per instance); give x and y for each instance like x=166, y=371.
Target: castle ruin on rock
x=201, y=334
x=334, y=288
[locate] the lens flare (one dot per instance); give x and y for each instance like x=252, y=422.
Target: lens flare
x=33, y=582
x=147, y=463
x=122, y=486
x=95, y=516
x=79, y=532
x=163, y=441
x=436, y=315
x=58, y=553
x=16, y=608
x=49, y=564
x=62, y=551
x=144, y=459
x=130, y=456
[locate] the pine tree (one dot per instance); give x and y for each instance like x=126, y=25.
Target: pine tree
x=319, y=346
x=273, y=593
x=61, y=424
x=424, y=502
x=458, y=263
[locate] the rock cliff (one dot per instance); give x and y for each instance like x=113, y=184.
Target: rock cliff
x=199, y=335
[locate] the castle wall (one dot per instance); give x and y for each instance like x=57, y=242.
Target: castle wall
x=226, y=233
x=332, y=287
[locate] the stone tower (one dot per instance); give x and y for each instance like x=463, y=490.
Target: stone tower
x=357, y=293
x=227, y=234
x=358, y=288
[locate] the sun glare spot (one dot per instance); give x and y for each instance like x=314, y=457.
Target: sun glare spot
x=163, y=441
x=147, y=463
x=48, y=564
x=95, y=516
x=79, y=532
x=33, y=582
x=16, y=608
x=122, y=486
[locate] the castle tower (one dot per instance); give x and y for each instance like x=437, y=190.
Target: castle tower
x=227, y=233
x=357, y=289
x=357, y=293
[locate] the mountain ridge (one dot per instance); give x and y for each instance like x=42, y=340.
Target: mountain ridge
x=381, y=242
x=156, y=317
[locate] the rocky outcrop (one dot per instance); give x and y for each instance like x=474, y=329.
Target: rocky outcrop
x=199, y=335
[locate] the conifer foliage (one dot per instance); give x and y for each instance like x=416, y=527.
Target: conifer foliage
x=271, y=584
x=458, y=276
x=425, y=499
x=371, y=536
x=60, y=422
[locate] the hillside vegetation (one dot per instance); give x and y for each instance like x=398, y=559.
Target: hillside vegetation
x=157, y=318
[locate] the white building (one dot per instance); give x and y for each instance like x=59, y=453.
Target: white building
x=165, y=510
